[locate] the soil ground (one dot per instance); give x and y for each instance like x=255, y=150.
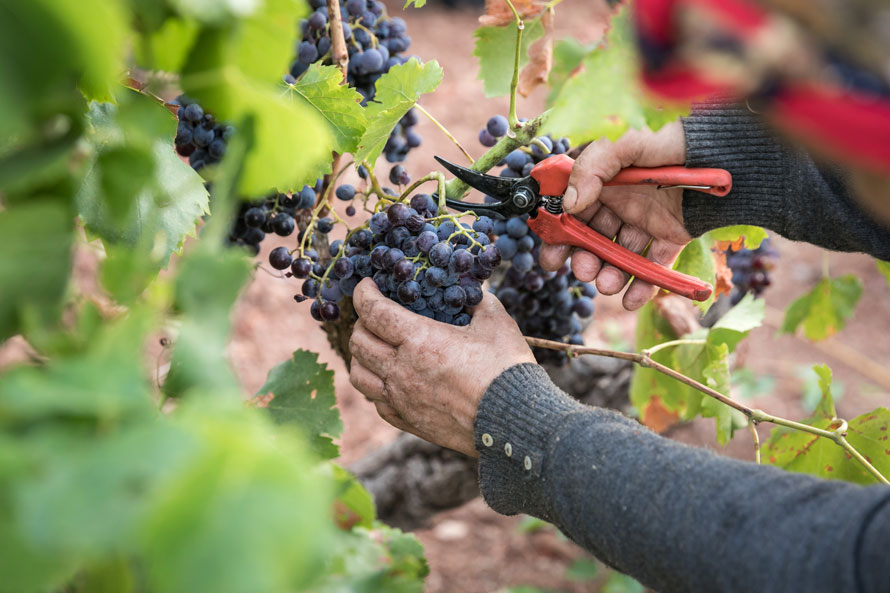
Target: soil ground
x=472, y=549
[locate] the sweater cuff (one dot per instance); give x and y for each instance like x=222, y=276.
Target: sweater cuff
x=729, y=136
x=515, y=428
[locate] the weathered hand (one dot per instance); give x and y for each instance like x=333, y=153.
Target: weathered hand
x=633, y=214
x=426, y=377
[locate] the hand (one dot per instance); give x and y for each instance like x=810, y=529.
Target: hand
x=633, y=214
x=426, y=377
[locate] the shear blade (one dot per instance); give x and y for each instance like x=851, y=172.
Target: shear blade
x=497, y=187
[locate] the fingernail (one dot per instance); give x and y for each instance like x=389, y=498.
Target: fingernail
x=569, y=199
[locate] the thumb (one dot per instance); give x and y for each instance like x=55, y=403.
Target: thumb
x=489, y=312
x=599, y=163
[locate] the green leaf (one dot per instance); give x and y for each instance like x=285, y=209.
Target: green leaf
x=168, y=47
x=603, y=96
x=567, y=55
x=753, y=235
x=339, y=105
x=884, y=268
x=716, y=376
x=356, y=505
x=415, y=3
x=302, y=391
x=825, y=309
x=206, y=287
x=583, y=569
x=621, y=583
x=161, y=208
x=397, y=92
x=745, y=316
x=495, y=49
x=697, y=260
x=800, y=451
x=35, y=260
x=245, y=513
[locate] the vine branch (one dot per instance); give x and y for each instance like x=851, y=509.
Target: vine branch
x=838, y=435
x=514, y=83
x=339, y=53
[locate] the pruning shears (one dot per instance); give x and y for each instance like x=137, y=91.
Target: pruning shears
x=540, y=196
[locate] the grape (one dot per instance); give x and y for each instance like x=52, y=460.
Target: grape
x=397, y=214
x=399, y=175
x=409, y=292
x=350, y=210
x=483, y=225
x=280, y=258
x=486, y=139
x=343, y=268
x=516, y=228
x=750, y=270
x=440, y=254
x=497, y=126
x=254, y=217
x=461, y=261
x=546, y=141
x=517, y=160
x=301, y=267
x=507, y=246
x=283, y=224
x=345, y=192
x=324, y=225
x=329, y=311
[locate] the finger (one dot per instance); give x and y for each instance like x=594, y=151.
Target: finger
x=586, y=266
x=600, y=162
x=389, y=414
x=370, y=351
x=611, y=280
x=381, y=316
x=369, y=384
x=639, y=292
x=552, y=257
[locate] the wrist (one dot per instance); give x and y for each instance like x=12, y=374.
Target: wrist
x=728, y=136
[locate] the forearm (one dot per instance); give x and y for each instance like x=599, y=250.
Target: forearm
x=676, y=518
x=773, y=186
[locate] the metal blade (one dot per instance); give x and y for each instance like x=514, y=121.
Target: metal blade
x=497, y=187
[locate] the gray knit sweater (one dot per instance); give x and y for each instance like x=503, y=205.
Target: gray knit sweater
x=675, y=517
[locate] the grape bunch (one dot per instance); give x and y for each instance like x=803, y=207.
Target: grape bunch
x=375, y=44
x=198, y=135
x=276, y=214
x=431, y=264
x=544, y=304
x=750, y=270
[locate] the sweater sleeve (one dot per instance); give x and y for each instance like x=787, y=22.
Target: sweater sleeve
x=677, y=518
x=773, y=186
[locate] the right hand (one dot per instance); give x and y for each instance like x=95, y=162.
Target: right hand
x=635, y=215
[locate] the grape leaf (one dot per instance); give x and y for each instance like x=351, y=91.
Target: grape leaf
x=415, y=3
x=302, y=391
x=716, y=376
x=603, y=96
x=621, y=583
x=35, y=261
x=495, y=47
x=354, y=504
x=567, y=55
x=884, y=268
x=168, y=47
x=280, y=124
x=397, y=92
x=320, y=89
x=583, y=569
x=745, y=316
x=697, y=260
x=245, y=512
x=824, y=310
x=799, y=451
x=753, y=235
x=159, y=210
x=206, y=287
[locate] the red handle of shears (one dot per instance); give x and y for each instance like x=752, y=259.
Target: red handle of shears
x=553, y=174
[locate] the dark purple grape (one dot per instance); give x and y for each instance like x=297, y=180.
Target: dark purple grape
x=486, y=139
x=391, y=258
x=330, y=311
x=403, y=270
x=440, y=254
x=409, y=292
x=397, y=214
x=343, y=268
x=497, y=126
x=280, y=258
x=283, y=224
x=310, y=288
x=300, y=268
x=254, y=217
x=455, y=296
x=461, y=261
x=490, y=257
x=324, y=225
x=345, y=192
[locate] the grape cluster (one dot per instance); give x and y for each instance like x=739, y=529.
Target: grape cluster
x=276, y=214
x=375, y=44
x=428, y=263
x=198, y=135
x=750, y=270
x=544, y=304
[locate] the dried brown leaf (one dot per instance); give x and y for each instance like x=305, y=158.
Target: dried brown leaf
x=723, y=282
x=540, y=54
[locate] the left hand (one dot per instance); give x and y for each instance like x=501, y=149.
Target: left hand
x=426, y=377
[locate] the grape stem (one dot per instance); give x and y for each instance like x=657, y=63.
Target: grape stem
x=514, y=83
x=339, y=53
x=838, y=435
x=457, y=188
x=543, y=147
x=752, y=426
x=445, y=131
x=434, y=176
